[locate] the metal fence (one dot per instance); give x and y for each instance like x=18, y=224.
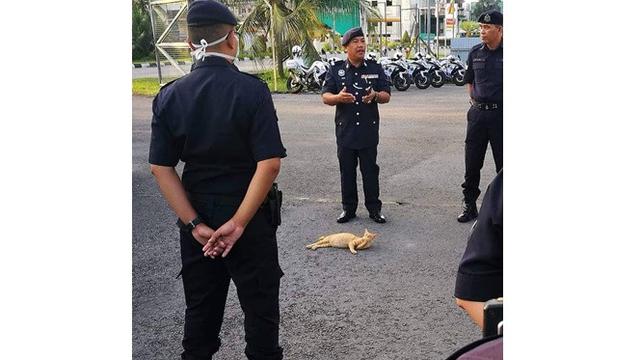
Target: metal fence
x=169, y=27
x=462, y=46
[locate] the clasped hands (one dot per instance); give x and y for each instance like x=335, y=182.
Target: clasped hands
x=217, y=242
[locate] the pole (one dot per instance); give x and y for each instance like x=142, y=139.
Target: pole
x=437, y=30
x=385, y=23
x=429, y=25
x=273, y=48
x=155, y=45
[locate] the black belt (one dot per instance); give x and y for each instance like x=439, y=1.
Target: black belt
x=485, y=105
x=228, y=200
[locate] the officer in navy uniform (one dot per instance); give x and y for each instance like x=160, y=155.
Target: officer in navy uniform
x=222, y=124
x=479, y=276
x=356, y=86
x=484, y=118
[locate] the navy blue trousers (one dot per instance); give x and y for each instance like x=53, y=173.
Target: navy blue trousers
x=483, y=127
x=348, y=160
x=253, y=266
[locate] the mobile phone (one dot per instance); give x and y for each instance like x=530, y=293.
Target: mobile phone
x=492, y=317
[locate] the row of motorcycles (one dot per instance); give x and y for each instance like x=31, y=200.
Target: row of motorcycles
x=423, y=71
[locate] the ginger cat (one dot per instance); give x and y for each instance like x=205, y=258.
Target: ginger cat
x=344, y=240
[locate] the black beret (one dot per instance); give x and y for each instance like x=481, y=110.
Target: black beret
x=209, y=12
x=493, y=17
x=350, y=34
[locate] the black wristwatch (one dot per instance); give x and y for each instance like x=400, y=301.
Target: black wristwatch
x=190, y=225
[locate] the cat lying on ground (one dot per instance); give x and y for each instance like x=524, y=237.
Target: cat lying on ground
x=344, y=240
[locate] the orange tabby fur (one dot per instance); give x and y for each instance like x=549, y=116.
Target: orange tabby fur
x=344, y=240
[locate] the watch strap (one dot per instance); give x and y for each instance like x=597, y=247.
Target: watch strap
x=190, y=225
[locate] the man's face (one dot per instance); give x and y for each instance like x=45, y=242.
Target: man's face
x=356, y=48
x=490, y=33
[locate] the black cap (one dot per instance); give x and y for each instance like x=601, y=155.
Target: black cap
x=493, y=17
x=350, y=34
x=209, y=12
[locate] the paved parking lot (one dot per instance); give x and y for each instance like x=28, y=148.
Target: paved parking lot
x=392, y=301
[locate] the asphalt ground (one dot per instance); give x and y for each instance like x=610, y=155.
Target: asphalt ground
x=391, y=301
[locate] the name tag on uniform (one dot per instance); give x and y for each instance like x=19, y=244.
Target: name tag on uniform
x=369, y=76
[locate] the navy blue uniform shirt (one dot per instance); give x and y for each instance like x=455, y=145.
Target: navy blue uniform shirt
x=484, y=71
x=220, y=122
x=357, y=124
x=480, y=271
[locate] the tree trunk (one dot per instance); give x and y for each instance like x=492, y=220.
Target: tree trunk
x=279, y=61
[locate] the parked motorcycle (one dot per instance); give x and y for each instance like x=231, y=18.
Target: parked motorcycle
x=435, y=71
x=453, y=69
x=301, y=77
x=419, y=69
x=397, y=69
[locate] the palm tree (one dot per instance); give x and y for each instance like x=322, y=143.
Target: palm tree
x=469, y=27
x=295, y=23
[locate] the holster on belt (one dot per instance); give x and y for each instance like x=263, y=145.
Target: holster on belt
x=273, y=203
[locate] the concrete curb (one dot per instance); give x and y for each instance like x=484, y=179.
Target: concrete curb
x=153, y=64
x=148, y=65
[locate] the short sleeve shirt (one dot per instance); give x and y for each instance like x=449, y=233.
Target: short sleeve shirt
x=484, y=71
x=357, y=124
x=220, y=122
x=480, y=272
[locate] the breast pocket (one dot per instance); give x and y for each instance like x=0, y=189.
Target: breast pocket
x=479, y=65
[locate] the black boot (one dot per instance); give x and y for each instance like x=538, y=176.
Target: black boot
x=469, y=212
x=378, y=217
x=346, y=216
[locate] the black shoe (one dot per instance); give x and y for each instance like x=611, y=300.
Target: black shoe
x=378, y=217
x=469, y=212
x=345, y=216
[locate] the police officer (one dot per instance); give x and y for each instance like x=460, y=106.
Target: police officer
x=223, y=125
x=480, y=272
x=356, y=86
x=484, y=118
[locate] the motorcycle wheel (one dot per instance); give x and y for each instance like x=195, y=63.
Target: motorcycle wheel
x=422, y=82
x=293, y=86
x=401, y=83
x=437, y=80
x=458, y=78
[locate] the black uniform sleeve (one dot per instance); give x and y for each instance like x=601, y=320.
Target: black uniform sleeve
x=480, y=271
x=469, y=75
x=384, y=82
x=265, y=134
x=164, y=149
x=330, y=83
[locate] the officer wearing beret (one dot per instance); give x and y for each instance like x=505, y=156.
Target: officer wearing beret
x=480, y=272
x=356, y=86
x=222, y=124
x=484, y=118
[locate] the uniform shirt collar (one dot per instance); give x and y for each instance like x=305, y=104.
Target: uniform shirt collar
x=485, y=47
x=347, y=64
x=212, y=61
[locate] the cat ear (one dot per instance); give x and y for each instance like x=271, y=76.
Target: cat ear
x=366, y=231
